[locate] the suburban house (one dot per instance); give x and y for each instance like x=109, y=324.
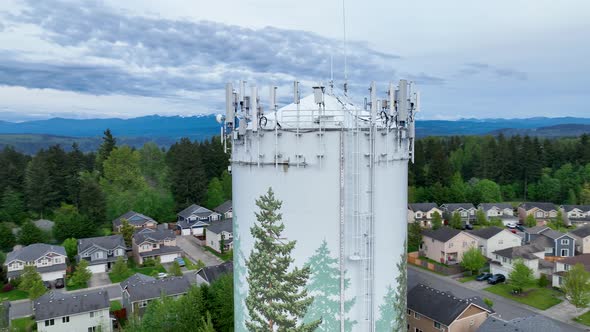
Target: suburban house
x=575, y=214
x=423, y=213
x=102, y=252
x=467, y=211
x=446, y=245
x=492, y=239
x=209, y=274
x=50, y=261
x=564, y=265
x=532, y=233
x=531, y=255
x=541, y=211
x=535, y=323
x=194, y=219
x=138, y=290
x=502, y=211
x=218, y=232
x=87, y=311
x=225, y=210
x=430, y=310
x=556, y=243
x=136, y=219
x=582, y=237
x=155, y=243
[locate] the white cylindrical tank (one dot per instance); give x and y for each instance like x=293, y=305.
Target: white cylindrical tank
x=341, y=173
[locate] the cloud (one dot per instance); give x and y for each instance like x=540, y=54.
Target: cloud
x=476, y=68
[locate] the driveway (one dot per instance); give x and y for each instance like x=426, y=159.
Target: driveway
x=99, y=279
x=189, y=245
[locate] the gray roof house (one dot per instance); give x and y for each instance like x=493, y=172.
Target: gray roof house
x=556, y=243
x=220, y=230
x=466, y=210
x=209, y=274
x=582, y=237
x=532, y=255
x=102, y=252
x=535, y=323
x=423, y=213
x=225, y=209
x=575, y=214
x=194, y=219
x=541, y=211
x=503, y=211
x=86, y=311
x=136, y=219
x=155, y=243
x=138, y=292
x=50, y=261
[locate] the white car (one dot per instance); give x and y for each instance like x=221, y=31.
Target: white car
x=511, y=225
x=162, y=275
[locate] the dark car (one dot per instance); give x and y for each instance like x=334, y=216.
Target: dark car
x=484, y=276
x=47, y=284
x=59, y=283
x=180, y=261
x=467, y=226
x=520, y=228
x=496, y=278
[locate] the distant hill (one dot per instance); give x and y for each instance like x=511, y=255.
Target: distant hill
x=562, y=130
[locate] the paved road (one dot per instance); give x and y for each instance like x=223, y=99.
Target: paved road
x=505, y=308
x=195, y=252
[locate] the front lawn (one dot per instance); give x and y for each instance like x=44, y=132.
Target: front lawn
x=584, y=319
x=13, y=295
x=23, y=324
x=226, y=256
x=540, y=298
x=132, y=269
x=467, y=279
x=70, y=285
x=424, y=258
x=193, y=266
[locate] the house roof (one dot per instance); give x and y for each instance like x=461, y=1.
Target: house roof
x=526, y=252
x=539, y=205
x=44, y=224
x=191, y=223
x=552, y=234
x=107, y=242
x=582, y=232
x=140, y=290
x=163, y=250
x=536, y=323
x=224, y=207
x=440, y=306
x=54, y=304
x=535, y=229
x=568, y=208
x=218, y=226
x=134, y=218
x=486, y=233
x=135, y=279
x=153, y=234
x=44, y=269
x=583, y=259
x=488, y=206
x=196, y=210
x=422, y=206
x=456, y=206
x=33, y=252
x=212, y=273
x=442, y=234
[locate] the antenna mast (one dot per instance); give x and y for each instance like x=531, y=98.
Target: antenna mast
x=345, y=60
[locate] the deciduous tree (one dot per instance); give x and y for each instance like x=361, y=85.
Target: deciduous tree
x=576, y=286
x=456, y=221
x=127, y=231
x=436, y=221
x=82, y=274
x=521, y=276
x=473, y=260
x=71, y=246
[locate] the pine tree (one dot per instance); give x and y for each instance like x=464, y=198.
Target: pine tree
x=109, y=143
x=214, y=194
x=12, y=207
x=436, y=221
x=29, y=234
x=277, y=299
x=456, y=221
x=91, y=199
x=127, y=231
x=324, y=286
x=82, y=274
x=7, y=239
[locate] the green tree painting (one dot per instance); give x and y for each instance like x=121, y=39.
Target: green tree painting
x=277, y=298
x=324, y=286
x=240, y=312
x=392, y=313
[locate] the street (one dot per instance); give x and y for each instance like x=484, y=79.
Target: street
x=504, y=308
x=188, y=244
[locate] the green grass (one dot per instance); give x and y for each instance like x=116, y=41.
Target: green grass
x=193, y=266
x=13, y=295
x=72, y=286
x=226, y=256
x=22, y=324
x=467, y=279
x=540, y=298
x=584, y=319
x=116, y=305
x=432, y=261
x=148, y=271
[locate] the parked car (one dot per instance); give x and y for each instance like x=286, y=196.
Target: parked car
x=468, y=226
x=496, y=278
x=59, y=283
x=520, y=228
x=511, y=225
x=180, y=261
x=513, y=231
x=162, y=275
x=484, y=276
x=47, y=284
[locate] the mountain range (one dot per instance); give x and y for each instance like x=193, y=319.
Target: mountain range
x=30, y=136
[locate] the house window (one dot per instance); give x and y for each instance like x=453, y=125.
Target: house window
x=451, y=245
x=500, y=241
x=566, y=267
x=418, y=214
x=65, y=319
x=98, y=255
x=49, y=322
x=94, y=314
x=565, y=252
x=143, y=304
x=93, y=329
x=464, y=244
x=409, y=312
x=503, y=259
x=565, y=241
x=417, y=330
x=471, y=322
x=436, y=325
x=417, y=315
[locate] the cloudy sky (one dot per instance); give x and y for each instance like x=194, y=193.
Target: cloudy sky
x=87, y=59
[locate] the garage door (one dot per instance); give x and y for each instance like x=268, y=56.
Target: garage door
x=98, y=268
x=186, y=232
x=51, y=276
x=168, y=258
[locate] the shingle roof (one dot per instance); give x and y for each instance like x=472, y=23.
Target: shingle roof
x=582, y=232
x=54, y=304
x=455, y=206
x=218, y=226
x=552, y=234
x=163, y=250
x=569, y=208
x=224, y=207
x=134, y=218
x=153, y=234
x=544, y=242
x=422, y=206
x=188, y=224
x=439, y=306
x=535, y=229
x=44, y=269
x=107, y=242
x=212, y=273
x=583, y=259
x=135, y=279
x=33, y=252
x=486, y=233
x=488, y=206
x=442, y=234
x=196, y=210
x=536, y=323
x=145, y=290
x=540, y=205
x=526, y=252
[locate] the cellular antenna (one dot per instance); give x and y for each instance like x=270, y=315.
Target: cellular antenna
x=344, y=36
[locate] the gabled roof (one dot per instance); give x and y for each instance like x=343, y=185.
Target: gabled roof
x=583, y=259
x=442, y=234
x=134, y=218
x=144, y=290
x=526, y=252
x=536, y=323
x=486, y=233
x=224, y=207
x=424, y=207
x=218, y=226
x=107, y=242
x=568, y=208
x=501, y=206
x=582, y=232
x=212, y=273
x=33, y=252
x=552, y=234
x=136, y=279
x=54, y=304
x=440, y=306
x=536, y=229
x=539, y=205
x=456, y=206
x=153, y=234
x=197, y=210
x=193, y=223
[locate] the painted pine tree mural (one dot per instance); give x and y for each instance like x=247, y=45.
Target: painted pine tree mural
x=324, y=286
x=277, y=299
x=392, y=313
x=239, y=280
